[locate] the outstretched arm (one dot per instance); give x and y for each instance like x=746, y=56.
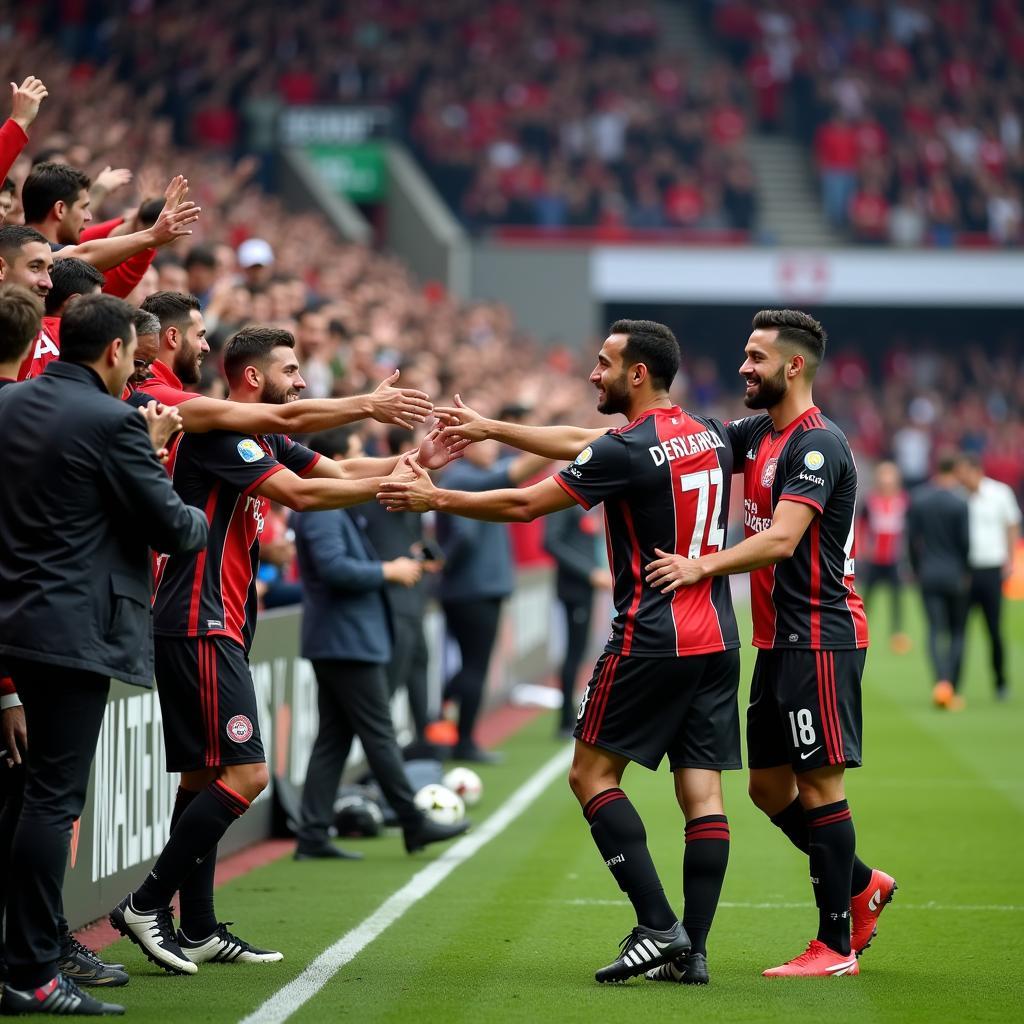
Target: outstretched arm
x=563, y=443
x=508, y=505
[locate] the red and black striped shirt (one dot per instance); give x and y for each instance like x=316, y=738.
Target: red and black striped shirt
x=212, y=592
x=664, y=480
x=807, y=601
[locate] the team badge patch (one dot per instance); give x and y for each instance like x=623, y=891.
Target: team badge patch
x=250, y=450
x=814, y=460
x=585, y=456
x=768, y=475
x=239, y=729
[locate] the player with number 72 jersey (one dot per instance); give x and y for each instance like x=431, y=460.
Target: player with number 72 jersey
x=664, y=480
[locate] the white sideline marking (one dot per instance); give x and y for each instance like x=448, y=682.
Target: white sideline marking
x=280, y=1006
x=953, y=908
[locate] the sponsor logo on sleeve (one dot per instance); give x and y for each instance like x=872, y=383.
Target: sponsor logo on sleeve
x=250, y=450
x=585, y=456
x=814, y=460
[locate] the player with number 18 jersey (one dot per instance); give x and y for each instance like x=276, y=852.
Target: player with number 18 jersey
x=664, y=481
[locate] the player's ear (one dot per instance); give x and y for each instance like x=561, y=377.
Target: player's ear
x=252, y=377
x=796, y=364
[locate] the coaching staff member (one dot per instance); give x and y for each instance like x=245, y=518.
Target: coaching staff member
x=75, y=536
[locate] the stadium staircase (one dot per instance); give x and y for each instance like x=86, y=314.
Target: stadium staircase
x=790, y=210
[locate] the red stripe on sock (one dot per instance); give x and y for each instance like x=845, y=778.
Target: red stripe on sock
x=234, y=802
x=718, y=833
x=602, y=800
x=830, y=819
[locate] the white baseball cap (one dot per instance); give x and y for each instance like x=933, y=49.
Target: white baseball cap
x=255, y=252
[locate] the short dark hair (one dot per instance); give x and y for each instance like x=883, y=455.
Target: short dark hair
x=21, y=314
x=172, y=309
x=48, y=184
x=71, y=276
x=399, y=439
x=14, y=237
x=795, y=328
x=652, y=344
x=329, y=443
x=91, y=324
x=252, y=345
x=150, y=210
x=201, y=255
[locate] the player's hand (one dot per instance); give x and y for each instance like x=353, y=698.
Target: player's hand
x=601, y=579
x=403, y=406
x=463, y=423
x=670, y=572
x=435, y=453
x=407, y=495
x=13, y=734
x=162, y=422
x=404, y=571
x=25, y=101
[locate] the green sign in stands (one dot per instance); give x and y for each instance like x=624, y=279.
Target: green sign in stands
x=358, y=172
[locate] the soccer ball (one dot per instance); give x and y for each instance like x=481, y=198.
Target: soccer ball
x=466, y=783
x=441, y=804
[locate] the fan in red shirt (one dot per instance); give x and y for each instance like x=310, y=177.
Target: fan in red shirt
x=883, y=519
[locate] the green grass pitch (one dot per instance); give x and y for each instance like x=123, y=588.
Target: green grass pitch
x=515, y=933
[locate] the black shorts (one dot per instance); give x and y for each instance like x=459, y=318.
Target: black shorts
x=645, y=708
x=805, y=709
x=208, y=703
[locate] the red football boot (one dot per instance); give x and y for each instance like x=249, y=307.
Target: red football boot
x=816, y=961
x=867, y=907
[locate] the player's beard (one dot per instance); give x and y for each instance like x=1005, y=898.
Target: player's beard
x=616, y=397
x=770, y=391
x=187, y=365
x=274, y=394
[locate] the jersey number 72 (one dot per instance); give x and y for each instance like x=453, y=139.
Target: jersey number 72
x=704, y=482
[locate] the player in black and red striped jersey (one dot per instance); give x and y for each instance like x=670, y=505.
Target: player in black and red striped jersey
x=804, y=719
x=667, y=681
x=204, y=615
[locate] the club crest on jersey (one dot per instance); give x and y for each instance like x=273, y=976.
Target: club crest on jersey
x=814, y=460
x=239, y=729
x=250, y=450
x=585, y=456
x=768, y=474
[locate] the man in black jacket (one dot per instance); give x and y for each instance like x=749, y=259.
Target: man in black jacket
x=75, y=533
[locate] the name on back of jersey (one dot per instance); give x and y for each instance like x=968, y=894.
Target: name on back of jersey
x=673, y=448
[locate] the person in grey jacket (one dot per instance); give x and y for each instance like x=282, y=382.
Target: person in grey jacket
x=85, y=499
x=347, y=635
x=478, y=575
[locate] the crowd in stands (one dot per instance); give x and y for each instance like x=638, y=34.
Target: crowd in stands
x=913, y=109
x=528, y=113
x=358, y=314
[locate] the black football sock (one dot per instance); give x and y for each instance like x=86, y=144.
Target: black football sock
x=832, y=841
x=200, y=827
x=794, y=825
x=705, y=858
x=196, y=893
x=622, y=839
